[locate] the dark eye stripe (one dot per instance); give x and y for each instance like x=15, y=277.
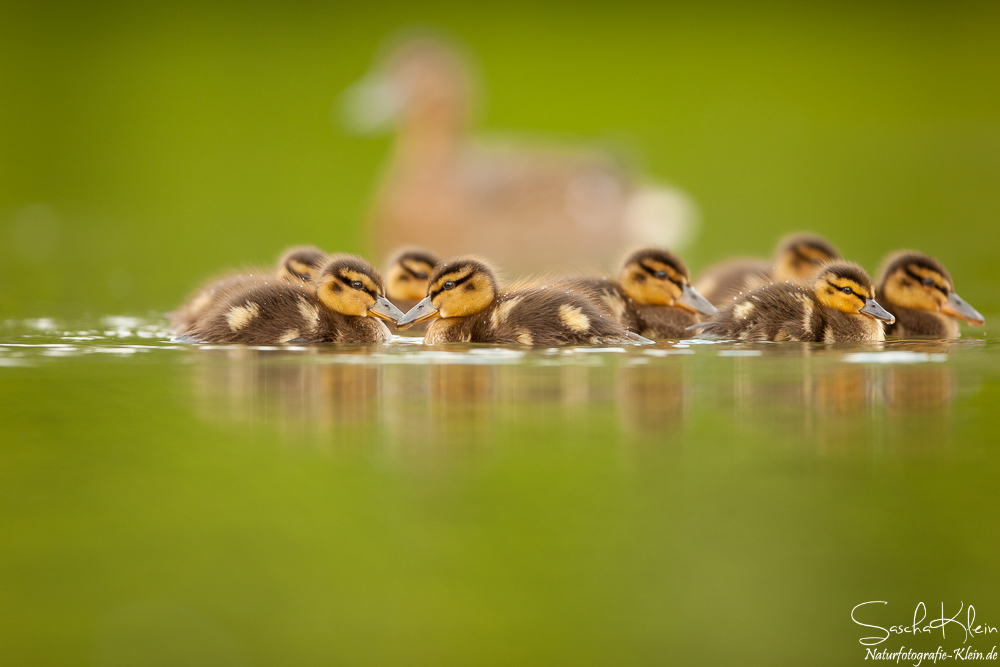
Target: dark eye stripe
x=457, y=282
x=410, y=271
x=652, y=272
x=839, y=289
x=350, y=283
x=920, y=280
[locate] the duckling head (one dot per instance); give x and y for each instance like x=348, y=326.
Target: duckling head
x=351, y=286
x=301, y=263
x=799, y=256
x=409, y=274
x=848, y=288
x=918, y=281
x=458, y=288
x=656, y=277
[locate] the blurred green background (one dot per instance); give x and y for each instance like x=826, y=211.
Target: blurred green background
x=142, y=148
x=165, y=504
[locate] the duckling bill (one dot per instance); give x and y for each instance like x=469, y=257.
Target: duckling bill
x=920, y=291
x=839, y=307
x=466, y=305
x=345, y=307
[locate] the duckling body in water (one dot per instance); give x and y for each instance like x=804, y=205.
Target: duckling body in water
x=296, y=265
x=653, y=296
x=796, y=259
x=839, y=307
x=466, y=305
x=919, y=291
x=342, y=308
x=407, y=278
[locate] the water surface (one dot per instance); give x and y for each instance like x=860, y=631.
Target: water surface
x=689, y=502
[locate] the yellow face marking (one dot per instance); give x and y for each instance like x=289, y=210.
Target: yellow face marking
x=649, y=290
x=830, y=294
x=302, y=269
x=468, y=297
x=933, y=275
x=573, y=318
x=368, y=283
x=240, y=316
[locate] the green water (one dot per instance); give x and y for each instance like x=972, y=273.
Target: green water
x=686, y=503
x=162, y=504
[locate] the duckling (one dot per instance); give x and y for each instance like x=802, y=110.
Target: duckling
x=407, y=278
x=348, y=297
x=531, y=206
x=796, y=259
x=921, y=294
x=839, y=307
x=463, y=293
x=299, y=264
x=653, y=296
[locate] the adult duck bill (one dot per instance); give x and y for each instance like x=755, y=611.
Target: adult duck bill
x=692, y=300
x=384, y=310
x=421, y=312
x=956, y=306
x=873, y=309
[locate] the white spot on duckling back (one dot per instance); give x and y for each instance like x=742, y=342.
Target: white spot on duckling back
x=573, y=318
x=289, y=335
x=524, y=337
x=309, y=313
x=502, y=312
x=240, y=316
x=615, y=305
x=740, y=311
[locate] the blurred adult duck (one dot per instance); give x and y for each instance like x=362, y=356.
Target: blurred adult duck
x=528, y=208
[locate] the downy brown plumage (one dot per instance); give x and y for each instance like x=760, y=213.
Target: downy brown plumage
x=296, y=265
x=466, y=305
x=839, y=307
x=342, y=308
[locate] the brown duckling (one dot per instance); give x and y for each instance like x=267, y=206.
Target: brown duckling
x=467, y=306
x=348, y=297
x=407, y=279
x=796, y=260
x=653, y=295
x=299, y=264
x=920, y=293
x=839, y=307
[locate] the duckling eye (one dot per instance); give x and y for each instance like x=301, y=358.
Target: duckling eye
x=421, y=275
x=449, y=285
x=662, y=275
x=928, y=281
x=846, y=290
x=357, y=285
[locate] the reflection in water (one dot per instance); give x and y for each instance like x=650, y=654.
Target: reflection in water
x=807, y=397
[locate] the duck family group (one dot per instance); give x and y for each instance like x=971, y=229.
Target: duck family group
x=807, y=293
